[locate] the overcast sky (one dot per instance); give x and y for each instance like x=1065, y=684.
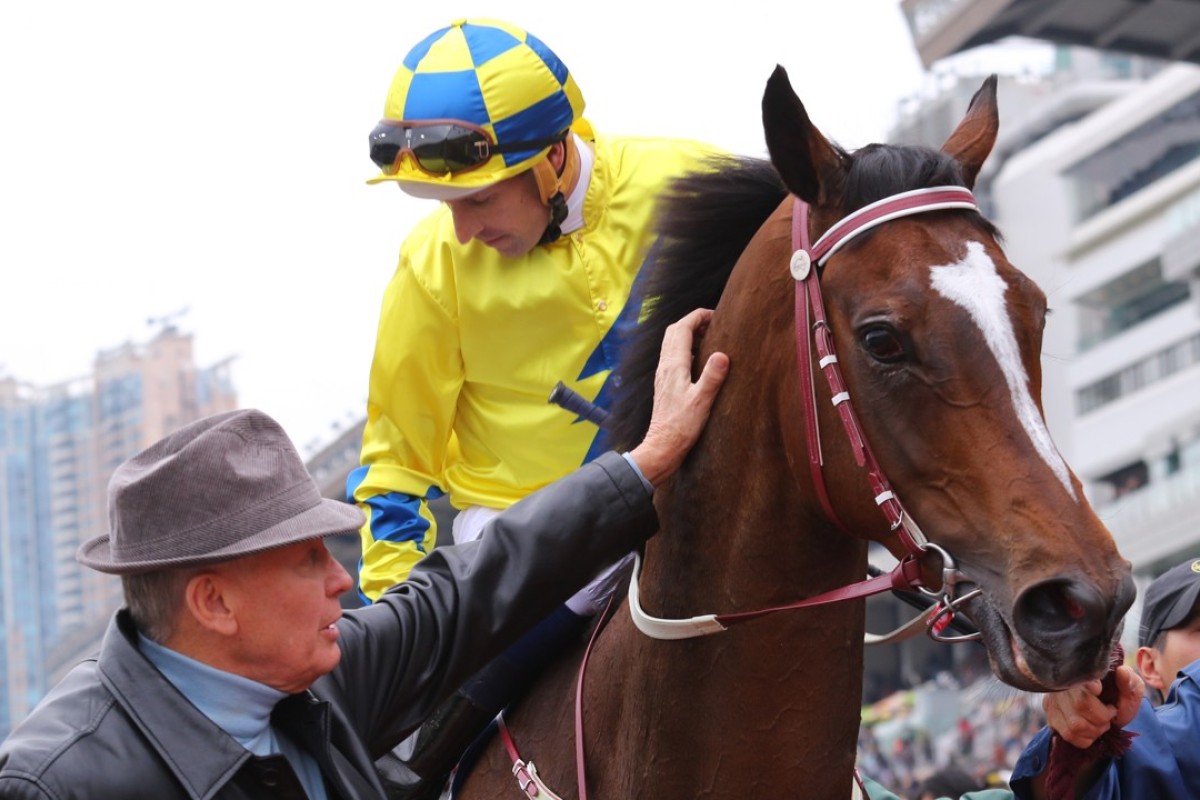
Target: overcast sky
x=160, y=156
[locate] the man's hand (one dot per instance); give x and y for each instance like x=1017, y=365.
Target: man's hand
x=680, y=406
x=1078, y=716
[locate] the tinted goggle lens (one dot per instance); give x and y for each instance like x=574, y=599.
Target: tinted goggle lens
x=441, y=149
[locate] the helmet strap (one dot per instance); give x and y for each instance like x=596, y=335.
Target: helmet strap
x=558, y=212
x=551, y=184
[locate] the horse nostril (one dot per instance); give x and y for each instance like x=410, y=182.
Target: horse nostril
x=1054, y=610
x=1074, y=610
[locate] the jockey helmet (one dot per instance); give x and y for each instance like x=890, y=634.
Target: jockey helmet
x=472, y=104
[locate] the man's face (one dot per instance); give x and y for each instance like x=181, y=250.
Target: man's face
x=507, y=216
x=1181, y=647
x=286, y=603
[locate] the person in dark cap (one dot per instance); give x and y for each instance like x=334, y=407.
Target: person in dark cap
x=1164, y=759
x=1169, y=636
x=232, y=671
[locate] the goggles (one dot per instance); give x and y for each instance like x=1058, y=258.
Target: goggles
x=441, y=146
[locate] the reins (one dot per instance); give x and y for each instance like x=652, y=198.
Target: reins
x=810, y=315
x=526, y=774
x=812, y=330
x=906, y=576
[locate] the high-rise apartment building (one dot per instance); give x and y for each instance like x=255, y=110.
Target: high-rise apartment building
x=58, y=446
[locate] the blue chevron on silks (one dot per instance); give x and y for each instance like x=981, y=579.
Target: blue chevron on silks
x=607, y=354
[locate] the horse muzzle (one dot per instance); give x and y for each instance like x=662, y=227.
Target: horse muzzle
x=1062, y=632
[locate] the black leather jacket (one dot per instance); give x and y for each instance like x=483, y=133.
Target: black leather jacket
x=115, y=729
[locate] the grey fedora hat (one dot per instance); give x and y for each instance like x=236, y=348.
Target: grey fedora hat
x=220, y=488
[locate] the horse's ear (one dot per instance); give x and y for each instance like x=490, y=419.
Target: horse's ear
x=972, y=140
x=811, y=168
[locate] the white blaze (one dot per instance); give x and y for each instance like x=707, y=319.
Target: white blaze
x=974, y=284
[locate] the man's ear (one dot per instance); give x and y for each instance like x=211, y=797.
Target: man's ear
x=205, y=601
x=1149, y=665
x=558, y=156
x=554, y=173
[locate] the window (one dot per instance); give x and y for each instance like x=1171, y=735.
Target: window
x=1156, y=367
x=1151, y=151
x=1121, y=303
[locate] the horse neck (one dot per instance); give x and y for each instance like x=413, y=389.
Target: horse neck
x=773, y=703
x=739, y=528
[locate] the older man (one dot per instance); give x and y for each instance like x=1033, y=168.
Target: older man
x=232, y=672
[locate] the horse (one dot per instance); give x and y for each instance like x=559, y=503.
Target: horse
x=937, y=338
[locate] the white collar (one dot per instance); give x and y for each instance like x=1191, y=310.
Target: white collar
x=587, y=159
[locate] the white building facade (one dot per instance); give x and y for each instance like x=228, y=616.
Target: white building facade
x=1105, y=215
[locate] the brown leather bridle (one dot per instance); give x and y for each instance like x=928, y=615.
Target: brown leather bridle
x=812, y=331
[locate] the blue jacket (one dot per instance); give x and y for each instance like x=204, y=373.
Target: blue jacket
x=1163, y=763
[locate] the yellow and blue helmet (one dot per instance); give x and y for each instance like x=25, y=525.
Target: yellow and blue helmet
x=473, y=104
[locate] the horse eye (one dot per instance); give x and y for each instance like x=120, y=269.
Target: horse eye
x=882, y=344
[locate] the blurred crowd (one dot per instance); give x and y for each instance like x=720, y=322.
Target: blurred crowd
x=978, y=751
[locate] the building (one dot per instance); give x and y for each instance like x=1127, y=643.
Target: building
x=58, y=446
x=1168, y=30
x=1106, y=211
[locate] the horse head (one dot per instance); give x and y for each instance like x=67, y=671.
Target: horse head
x=938, y=338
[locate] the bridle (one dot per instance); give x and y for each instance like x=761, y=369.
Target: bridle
x=906, y=576
x=812, y=331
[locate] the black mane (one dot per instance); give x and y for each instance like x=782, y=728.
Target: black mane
x=880, y=170
x=706, y=219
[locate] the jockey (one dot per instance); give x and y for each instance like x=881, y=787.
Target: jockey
x=522, y=277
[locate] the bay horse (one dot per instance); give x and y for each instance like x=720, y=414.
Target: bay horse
x=938, y=340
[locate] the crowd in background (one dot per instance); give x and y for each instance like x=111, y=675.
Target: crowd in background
x=977, y=751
